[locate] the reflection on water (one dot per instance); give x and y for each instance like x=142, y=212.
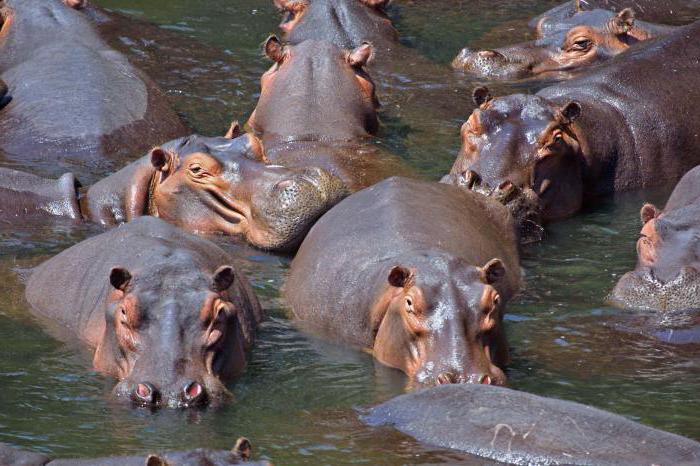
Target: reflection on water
x=297, y=400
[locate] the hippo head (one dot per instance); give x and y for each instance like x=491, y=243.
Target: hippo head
x=667, y=276
x=162, y=355
x=585, y=38
x=318, y=19
x=524, y=142
x=324, y=83
x=222, y=185
x=438, y=319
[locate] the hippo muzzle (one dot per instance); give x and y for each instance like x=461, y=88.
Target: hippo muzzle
x=642, y=289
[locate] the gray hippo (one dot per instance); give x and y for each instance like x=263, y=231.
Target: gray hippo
x=667, y=276
x=203, y=184
x=166, y=312
x=76, y=104
x=519, y=428
x=425, y=297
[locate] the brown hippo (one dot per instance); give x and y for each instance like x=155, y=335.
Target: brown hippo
x=203, y=184
x=667, y=276
x=240, y=453
x=317, y=107
x=166, y=312
x=425, y=297
x=621, y=126
x=588, y=37
x=76, y=104
x=519, y=428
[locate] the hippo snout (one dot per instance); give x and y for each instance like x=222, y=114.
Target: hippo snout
x=647, y=289
x=494, y=377
x=179, y=395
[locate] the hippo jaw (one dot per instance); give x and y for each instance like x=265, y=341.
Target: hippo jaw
x=161, y=355
x=435, y=335
x=641, y=289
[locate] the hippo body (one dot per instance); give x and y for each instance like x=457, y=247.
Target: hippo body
x=173, y=297
x=677, y=12
x=667, y=275
x=75, y=103
x=370, y=276
x=521, y=428
x=318, y=107
x=621, y=126
x=203, y=184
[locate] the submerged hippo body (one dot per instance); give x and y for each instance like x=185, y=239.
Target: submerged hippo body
x=667, y=276
x=11, y=456
x=519, y=428
x=318, y=107
x=203, y=184
x=425, y=297
x=165, y=311
x=584, y=39
x=621, y=126
x=75, y=103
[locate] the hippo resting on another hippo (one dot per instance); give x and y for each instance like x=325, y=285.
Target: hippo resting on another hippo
x=621, y=126
x=317, y=107
x=203, y=184
x=520, y=428
x=166, y=312
x=11, y=456
x=667, y=276
x=76, y=104
x=426, y=297
x=586, y=38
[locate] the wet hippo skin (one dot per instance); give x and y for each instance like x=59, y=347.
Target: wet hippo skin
x=667, y=276
x=565, y=45
x=76, y=104
x=317, y=107
x=166, y=312
x=676, y=12
x=11, y=456
x=203, y=184
x=426, y=297
x=621, y=126
x=520, y=428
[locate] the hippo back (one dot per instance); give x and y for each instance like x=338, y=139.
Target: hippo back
x=71, y=288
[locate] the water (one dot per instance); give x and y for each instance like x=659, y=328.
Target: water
x=297, y=401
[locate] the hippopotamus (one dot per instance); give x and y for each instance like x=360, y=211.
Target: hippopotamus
x=166, y=313
x=667, y=276
x=318, y=107
x=586, y=38
x=202, y=184
x=240, y=453
x=425, y=297
x=620, y=126
x=520, y=428
x=76, y=104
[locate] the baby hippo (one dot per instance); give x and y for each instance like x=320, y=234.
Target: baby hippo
x=424, y=293
x=667, y=275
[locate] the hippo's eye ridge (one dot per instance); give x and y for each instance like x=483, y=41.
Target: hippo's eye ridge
x=581, y=44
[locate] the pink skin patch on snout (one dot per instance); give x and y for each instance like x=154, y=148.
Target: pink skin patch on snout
x=143, y=390
x=193, y=390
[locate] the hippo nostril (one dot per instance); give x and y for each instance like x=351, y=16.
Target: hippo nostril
x=470, y=178
x=146, y=393
x=485, y=380
x=284, y=184
x=488, y=54
x=446, y=378
x=193, y=391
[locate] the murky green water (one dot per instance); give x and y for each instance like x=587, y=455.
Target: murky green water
x=297, y=400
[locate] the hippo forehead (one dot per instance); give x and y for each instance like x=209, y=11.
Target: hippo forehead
x=317, y=53
x=527, y=108
x=680, y=222
x=447, y=283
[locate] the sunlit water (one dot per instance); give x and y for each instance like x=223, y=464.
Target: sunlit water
x=298, y=399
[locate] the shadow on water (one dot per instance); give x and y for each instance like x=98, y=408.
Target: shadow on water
x=297, y=400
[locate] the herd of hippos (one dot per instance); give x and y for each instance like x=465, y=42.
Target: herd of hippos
x=170, y=317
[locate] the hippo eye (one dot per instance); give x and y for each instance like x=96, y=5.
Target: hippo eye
x=497, y=300
x=409, y=306
x=581, y=44
x=197, y=170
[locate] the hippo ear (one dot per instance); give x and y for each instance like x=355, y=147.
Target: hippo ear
x=274, y=49
x=648, y=212
x=242, y=448
x=400, y=277
x=481, y=95
x=161, y=159
x=623, y=22
x=155, y=460
x=119, y=277
x=376, y=3
x=222, y=279
x=233, y=131
x=361, y=55
x=569, y=112
x=493, y=272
